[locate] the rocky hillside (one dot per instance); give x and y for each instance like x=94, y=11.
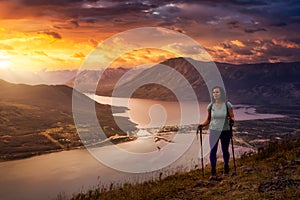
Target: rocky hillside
x=38, y=119
x=274, y=83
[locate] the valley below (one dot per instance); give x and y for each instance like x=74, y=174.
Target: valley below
x=43, y=148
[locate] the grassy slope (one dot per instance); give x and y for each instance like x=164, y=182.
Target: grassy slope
x=38, y=119
x=274, y=173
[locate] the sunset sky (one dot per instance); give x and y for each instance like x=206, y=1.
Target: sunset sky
x=59, y=34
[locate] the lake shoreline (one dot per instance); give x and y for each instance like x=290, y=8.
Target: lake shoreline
x=116, y=140
x=259, y=109
x=67, y=171
x=108, y=141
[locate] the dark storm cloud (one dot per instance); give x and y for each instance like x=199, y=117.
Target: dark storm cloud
x=266, y=12
x=89, y=10
x=119, y=7
x=226, y=45
x=67, y=25
x=249, y=30
x=106, y=11
x=235, y=13
x=48, y=2
x=229, y=2
x=279, y=24
x=214, y=21
x=90, y=20
x=277, y=12
x=234, y=24
x=242, y=51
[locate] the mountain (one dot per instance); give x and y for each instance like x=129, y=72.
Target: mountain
x=39, y=77
x=86, y=79
x=161, y=83
x=39, y=119
x=265, y=83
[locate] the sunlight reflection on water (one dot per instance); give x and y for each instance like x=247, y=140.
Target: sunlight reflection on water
x=43, y=177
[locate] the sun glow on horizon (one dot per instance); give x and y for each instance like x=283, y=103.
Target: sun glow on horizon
x=5, y=63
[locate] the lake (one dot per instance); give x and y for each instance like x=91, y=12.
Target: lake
x=151, y=113
x=68, y=172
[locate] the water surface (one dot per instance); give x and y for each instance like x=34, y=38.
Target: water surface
x=45, y=176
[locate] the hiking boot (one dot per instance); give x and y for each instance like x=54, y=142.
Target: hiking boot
x=213, y=175
x=213, y=178
x=226, y=169
x=213, y=172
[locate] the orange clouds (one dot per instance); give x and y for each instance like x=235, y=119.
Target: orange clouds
x=237, y=43
x=79, y=55
x=286, y=44
x=142, y=57
x=50, y=34
x=56, y=34
x=255, y=51
x=36, y=51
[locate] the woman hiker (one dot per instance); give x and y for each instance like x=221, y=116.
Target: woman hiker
x=220, y=114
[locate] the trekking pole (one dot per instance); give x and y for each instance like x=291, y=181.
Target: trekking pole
x=231, y=124
x=202, y=164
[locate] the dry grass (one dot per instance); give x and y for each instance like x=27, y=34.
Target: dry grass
x=277, y=162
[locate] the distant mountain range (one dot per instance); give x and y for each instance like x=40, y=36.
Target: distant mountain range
x=39, y=77
x=87, y=79
x=265, y=83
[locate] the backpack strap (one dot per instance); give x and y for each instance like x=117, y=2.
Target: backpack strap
x=227, y=110
x=227, y=114
x=210, y=106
